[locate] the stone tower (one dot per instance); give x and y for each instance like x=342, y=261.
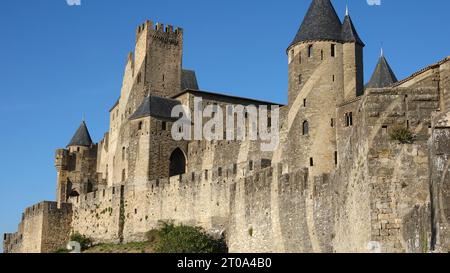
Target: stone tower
x=325, y=69
x=159, y=51
x=76, y=166
x=353, y=60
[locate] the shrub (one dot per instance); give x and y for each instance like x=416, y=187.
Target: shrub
x=84, y=241
x=402, y=135
x=186, y=239
x=152, y=236
x=62, y=250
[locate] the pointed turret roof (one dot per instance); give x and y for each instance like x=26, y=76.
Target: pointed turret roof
x=81, y=137
x=383, y=76
x=349, y=33
x=321, y=23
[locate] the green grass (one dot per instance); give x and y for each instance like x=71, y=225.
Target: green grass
x=136, y=247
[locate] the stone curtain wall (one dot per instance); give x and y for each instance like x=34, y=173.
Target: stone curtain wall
x=97, y=215
x=251, y=212
x=275, y=212
x=44, y=228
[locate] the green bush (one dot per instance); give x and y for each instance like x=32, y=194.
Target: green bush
x=62, y=250
x=84, y=241
x=186, y=239
x=152, y=235
x=402, y=135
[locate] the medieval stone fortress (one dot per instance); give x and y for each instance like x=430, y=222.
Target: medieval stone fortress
x=338, y=181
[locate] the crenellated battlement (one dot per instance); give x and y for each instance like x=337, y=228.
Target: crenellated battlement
x=45, y=207
x=163, y=32
x=220, y=174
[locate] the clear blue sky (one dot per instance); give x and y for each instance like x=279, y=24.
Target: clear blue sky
x=59, y=61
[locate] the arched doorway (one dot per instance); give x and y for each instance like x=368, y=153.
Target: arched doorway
x=177, y=163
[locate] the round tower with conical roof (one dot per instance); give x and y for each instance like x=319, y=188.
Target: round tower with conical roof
x=353, y=68
x=325, y=70
x=76, y=166
x=81, y=140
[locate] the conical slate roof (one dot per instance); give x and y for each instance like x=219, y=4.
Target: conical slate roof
x=383, y=76
x=81, y=137
x=349, y=33
x=321, y=23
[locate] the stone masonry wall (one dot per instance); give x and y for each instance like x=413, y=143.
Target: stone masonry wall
x=439, y=145
x=44, y=228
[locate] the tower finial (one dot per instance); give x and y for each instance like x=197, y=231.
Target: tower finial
x=346, y=9
x=83, y=117
x=382, y=50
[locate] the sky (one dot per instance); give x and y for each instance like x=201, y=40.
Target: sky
x=60, y=62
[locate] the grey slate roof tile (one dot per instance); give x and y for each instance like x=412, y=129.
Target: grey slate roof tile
x=81, y=137
x=349, y=33
x=383, y=76
x=188, y=80
x=321, y=23
x=156, y=107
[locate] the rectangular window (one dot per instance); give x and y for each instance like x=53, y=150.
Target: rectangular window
x=124, y=175
x=335, y=158
x=206, y=174
x=250, y=165
x=139, y=78
x=332, y=123
x=219, y=171
x=304, y=102
x=333, y=50
x=300, y=79
x=163, y=126
x=234, y=168
x=310, y=51
x=311, y=162
x=349, y=119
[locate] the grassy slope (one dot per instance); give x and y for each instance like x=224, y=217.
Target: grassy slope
x=138, y=247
